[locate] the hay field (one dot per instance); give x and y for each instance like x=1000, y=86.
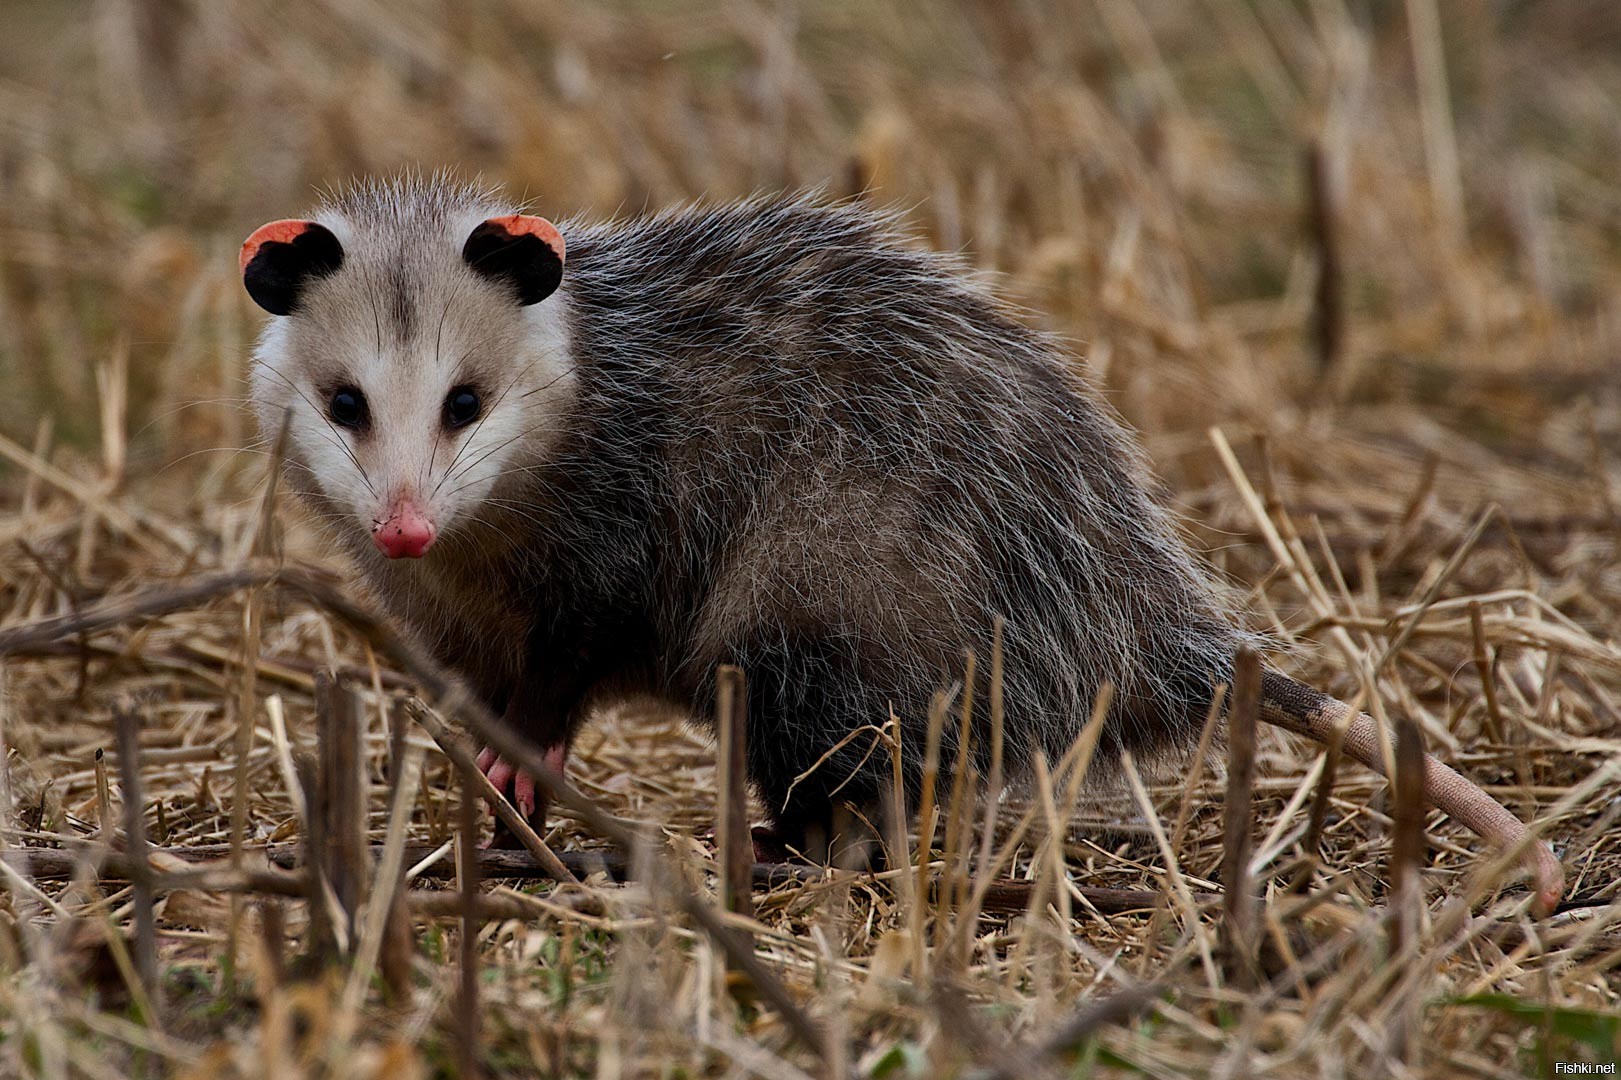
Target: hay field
x=1352, y=269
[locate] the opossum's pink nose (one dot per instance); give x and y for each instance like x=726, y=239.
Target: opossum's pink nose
x=407, y=532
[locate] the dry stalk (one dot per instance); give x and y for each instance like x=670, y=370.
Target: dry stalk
x=468, y=1048
x=1241, y=939
x=959, y=813
x=1323, y=214
x=129, y=769
x=1173, y=872
x=385, y=912
x=993, y=783
x=927, y=818
x=733, y=840
x=341, y=779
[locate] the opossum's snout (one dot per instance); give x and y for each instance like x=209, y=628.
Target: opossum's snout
x=406, y=533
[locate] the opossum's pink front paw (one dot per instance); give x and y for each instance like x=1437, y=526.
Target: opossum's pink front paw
x=522, y=792
x=510, y=780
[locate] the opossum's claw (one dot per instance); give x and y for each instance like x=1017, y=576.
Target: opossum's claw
x=523, y=793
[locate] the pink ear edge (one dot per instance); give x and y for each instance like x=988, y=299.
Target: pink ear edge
x=529, y=225
x=280, y=232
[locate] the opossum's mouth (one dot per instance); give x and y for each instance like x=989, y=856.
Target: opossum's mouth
x=407, y=532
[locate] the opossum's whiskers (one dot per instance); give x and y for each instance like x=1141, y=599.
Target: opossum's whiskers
x=517, y=510
x=439, y=333
x=233, y=451
x=427, y=470
x=473, y=435
x=239, y=404
x=548, y=384
x=334, y=438
x=484, y=456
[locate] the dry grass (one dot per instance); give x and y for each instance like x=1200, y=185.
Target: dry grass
x=1138, y=172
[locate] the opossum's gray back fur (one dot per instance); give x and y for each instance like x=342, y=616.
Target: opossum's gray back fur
x=853, y=438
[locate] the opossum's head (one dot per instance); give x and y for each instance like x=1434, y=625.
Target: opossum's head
x=417, y=354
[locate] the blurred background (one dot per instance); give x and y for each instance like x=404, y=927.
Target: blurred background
x=1395, y=221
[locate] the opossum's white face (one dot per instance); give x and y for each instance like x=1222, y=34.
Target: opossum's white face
x=417, y=358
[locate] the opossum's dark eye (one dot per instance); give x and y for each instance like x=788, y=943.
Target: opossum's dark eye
x=462, y=406
x=348, y=408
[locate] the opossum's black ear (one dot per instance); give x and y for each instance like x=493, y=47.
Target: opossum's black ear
x=280, y=258
x=524, y=252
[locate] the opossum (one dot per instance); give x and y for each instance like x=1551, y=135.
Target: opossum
x=599, y=459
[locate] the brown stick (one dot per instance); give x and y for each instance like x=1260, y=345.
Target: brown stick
x=342, y=780
x=246, y=703
x=993, y=783
x=159, y=600
x=104, y=800
x=467, y=889
x=399, y=944
x=1488, y=680
x=959, y=832
x=1406, y=854
x=321, y=942
x=399, y=730
x=273, y=935
x=1328, y=321
x=732, y=838
x=1239, y=897
x=129, y=776
x=1407, y=844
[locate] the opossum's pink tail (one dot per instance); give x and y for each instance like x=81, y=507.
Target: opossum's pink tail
x=1298, y=708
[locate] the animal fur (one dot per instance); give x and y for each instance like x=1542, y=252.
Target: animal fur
x=775, y=434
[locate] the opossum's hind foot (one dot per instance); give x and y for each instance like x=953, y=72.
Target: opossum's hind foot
x=842, y=836
x=770, y=846
x=519, y=786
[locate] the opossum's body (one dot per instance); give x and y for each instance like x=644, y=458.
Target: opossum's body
x=770, y=434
